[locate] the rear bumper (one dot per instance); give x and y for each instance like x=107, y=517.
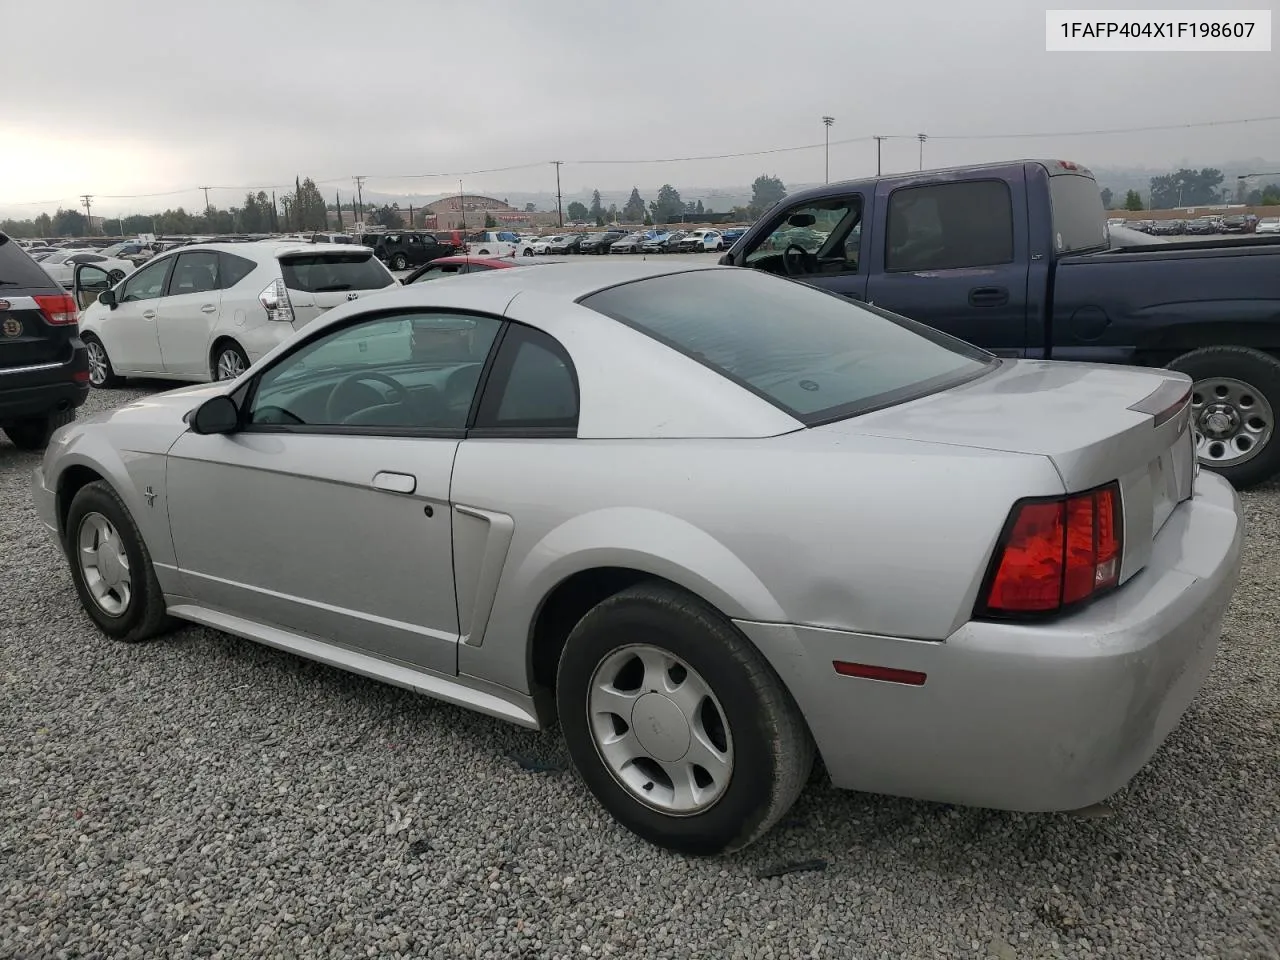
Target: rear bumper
x=1027, y=717
x=41, y=389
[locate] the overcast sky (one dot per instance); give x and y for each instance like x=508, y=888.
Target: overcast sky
x=141, y=97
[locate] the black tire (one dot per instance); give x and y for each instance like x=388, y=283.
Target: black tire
x=773, y=752
x=399, y=262
x=145, y=615
x=483, y=253
x=109, y=379
x=1261, y=372
x=33, y=433
x=528, y=252
x=227, y=347
x=115, y=276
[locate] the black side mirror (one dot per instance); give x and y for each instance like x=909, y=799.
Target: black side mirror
x=107, y=298
x=216, y=415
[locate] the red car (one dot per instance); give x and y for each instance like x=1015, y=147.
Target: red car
x=451, y=266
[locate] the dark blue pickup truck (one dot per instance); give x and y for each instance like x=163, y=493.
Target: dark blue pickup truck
x=1015, y=257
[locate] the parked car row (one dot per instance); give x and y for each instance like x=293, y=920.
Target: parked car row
x=1207, y=225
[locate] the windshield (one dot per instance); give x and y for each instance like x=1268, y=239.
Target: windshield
x=331, y=272
x=817, y=356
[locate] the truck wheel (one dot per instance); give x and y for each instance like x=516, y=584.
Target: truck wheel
x=1235, y=394
x=677, y=724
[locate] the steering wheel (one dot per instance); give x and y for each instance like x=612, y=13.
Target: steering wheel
x=794, y=267
x=333, y=406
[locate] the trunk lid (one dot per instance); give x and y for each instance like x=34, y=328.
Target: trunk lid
x=320, y=278
x=1096, y=423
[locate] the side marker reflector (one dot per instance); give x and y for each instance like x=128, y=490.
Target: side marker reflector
x=912, y=678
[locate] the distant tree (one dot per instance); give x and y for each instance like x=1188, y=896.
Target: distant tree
x=577, y=210
x=1132, y=201
x=43, y=225
x=70, y=223
x=1271, y=195
x=648, y=220
x=138, y=223
x=254, y=217
x=613, y=213
x=634, y=211
x=699, y=209
x=596, y=210
x=1186, y=188
x=489, y=222
x=388, y=215
x=668, y=206
x=765, y=192
x=1107, y=197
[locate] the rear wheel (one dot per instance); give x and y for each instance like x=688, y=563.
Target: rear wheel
x=399, y=262
x=33, y=433
x=1235, y=395
x=528, y=252
x=115, y=276
x=229, y=361
x=677, y=724
x=101, y=373
x=111, y=566
x=483, y=253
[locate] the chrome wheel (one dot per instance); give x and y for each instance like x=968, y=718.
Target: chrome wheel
x=1231, y=421
x=97, y=362
x=659, y=730
x=104, y=564
x=230, y=365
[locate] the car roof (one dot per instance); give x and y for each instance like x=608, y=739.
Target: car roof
x=265, y=249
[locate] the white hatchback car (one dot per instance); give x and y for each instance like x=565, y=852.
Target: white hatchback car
x=207, y=312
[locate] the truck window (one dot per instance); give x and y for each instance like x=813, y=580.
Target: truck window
x=945, y=226
x=828, y=231
x=1078, y=216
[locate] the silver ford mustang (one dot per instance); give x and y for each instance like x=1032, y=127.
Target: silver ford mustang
x=712, y=521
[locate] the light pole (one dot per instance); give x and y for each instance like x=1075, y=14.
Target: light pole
x=922, y=137
x=879, y=141
x=826, y=123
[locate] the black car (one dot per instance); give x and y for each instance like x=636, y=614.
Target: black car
x=600, y=242
x=1235, y=224
x=407, y=248
x=44, y=367
x=1202, y=226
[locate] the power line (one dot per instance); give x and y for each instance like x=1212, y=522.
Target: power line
x=1114, y=131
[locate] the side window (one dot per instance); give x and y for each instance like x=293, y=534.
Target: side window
x=234, y=269
x=414, y=372
x=532, y=387
x=195, y=272
x=147, y=283
x=827, y=231
x=945, y=226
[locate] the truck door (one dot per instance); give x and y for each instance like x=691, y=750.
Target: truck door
x=821, y=242
x=953, y=255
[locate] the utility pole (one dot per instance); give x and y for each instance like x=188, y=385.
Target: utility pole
x=206, y=200
x=826, y=123
x=275, y=220
x=88, y=212
x=462, y=208
x=879, y=141
x=360, y=198
x=559, y=209
x=922, y=137
x=337, y=201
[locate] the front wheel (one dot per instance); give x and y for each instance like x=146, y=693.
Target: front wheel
x=483, y=253
x=1235, y=394
x=677, y=724
x=399, y=262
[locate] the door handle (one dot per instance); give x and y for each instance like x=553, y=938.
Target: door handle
x=208, y=308
x=988, y=296
x=148, y=314
x=395, y=482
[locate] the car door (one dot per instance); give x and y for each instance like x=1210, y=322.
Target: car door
x=129, y=332
x=948, y=258
x=328, y=512
x=821, y=242
x=188, y=313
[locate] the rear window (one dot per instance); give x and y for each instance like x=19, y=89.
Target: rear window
x=19, y=270
x=325, y=272
x=1079, y=220
x=817, y=356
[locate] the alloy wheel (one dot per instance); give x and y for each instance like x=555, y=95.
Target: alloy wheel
x=660, y=731
x=1231, y=421
x=104, y=564
x=97, y=363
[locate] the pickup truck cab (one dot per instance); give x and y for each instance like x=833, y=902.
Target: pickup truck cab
x=1015, y=258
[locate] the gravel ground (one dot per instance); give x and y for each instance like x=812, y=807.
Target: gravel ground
x=203, y=796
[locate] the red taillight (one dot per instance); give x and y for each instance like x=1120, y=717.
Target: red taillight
x=1056, y=553
x=58, y=308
